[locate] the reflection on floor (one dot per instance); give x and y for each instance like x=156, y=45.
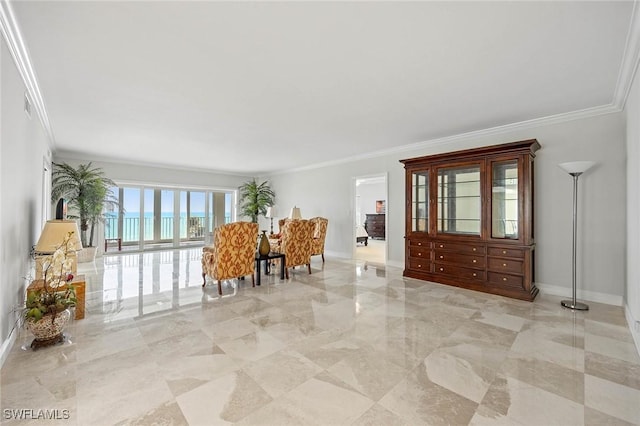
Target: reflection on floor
x=351, y=344
x=372, y=252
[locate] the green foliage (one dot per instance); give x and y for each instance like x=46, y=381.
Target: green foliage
x=88, y=192
x=255, y=198
x=49, y=301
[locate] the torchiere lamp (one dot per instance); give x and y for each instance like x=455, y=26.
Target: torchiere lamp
x=575, y=169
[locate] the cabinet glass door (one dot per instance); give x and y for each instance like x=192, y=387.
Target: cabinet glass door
x=504, y=204
x=459, y=203
x=420, y=202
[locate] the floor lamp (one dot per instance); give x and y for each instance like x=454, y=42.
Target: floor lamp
x=575, y=169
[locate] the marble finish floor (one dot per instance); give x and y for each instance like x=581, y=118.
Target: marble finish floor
x=350, y=344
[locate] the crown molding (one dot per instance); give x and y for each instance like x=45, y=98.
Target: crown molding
x=459, y=138
x=630, y=59
x=18, y=49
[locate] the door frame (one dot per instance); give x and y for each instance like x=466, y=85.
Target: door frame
x=384, y=176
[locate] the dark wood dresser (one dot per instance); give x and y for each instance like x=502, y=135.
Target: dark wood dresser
x=375, y=226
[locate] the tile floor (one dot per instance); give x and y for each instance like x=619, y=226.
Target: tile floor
x=350, y=344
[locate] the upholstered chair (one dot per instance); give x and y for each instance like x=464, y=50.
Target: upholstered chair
x=319, y=235
x=296, y=243
x=232, y=254
x=274, y=240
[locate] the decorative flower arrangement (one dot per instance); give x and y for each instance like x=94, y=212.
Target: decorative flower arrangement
x=56, y=269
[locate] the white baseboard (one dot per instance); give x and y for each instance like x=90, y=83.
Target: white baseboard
x=6, y=347
x=634, y=326
x=592, y=296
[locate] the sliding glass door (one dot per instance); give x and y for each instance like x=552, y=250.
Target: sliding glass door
x=149, y=217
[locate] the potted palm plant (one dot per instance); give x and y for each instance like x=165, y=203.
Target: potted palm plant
x=88, y=192
x=255, y=198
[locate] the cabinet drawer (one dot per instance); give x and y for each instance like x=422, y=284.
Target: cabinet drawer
x=420, y=264
x=463, y=248
x=505, y=265
x=468, y=260
x=419, y=243
x=505, y=279
x=467, y=273
x=506, y=252
x=420, y=252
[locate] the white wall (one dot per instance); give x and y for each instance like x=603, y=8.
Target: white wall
x=328, y=192
x=632, y=290
x=370, y=193
x=23, y=147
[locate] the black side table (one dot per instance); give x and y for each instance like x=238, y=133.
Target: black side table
x=267, y=258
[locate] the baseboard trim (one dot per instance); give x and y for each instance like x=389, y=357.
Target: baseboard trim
x=592, y=296
x=634, y=326
x=6, y=347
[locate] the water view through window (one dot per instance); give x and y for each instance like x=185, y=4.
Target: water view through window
x=166, y=217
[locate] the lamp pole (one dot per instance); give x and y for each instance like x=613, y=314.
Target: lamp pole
x=575, y=169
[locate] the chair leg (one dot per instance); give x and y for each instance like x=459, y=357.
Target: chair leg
x=204, y=279
x=253, y=280
x=309, y=267
x=286, y=272
x=219, y=288
x=322, y=257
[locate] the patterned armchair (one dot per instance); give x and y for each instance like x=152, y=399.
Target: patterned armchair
x=296, y=243
x=232, y=254
x=274, y=239
x=319, y=234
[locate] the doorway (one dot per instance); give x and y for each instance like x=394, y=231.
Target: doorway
x=370, y=218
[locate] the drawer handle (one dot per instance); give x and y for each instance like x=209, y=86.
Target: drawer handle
x=441, y=246
x=441, y=269
x=419, y=266
x=504, y=278
x=475, y=261
x=419, y=254
x=419, y=244
x=504, y=264
x=475, y=275
x=441, y=257
x=504, y=252
x=474, y=249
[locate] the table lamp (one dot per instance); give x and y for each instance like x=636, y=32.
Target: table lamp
x=52, y=235
x=295, y=213
x=271, y=213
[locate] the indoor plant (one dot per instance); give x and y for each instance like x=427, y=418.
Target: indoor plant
x=88, y=191
x=255, y=198
x=46, y=307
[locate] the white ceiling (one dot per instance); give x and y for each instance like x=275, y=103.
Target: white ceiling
x=258, y=87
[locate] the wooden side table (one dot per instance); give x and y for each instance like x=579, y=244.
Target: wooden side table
x=78, y=282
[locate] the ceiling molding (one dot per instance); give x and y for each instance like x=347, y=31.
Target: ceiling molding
x=457, y=139
x=630, y=60
x=12, y=35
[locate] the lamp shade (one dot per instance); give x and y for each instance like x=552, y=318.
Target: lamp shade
x=271, y=211
x=295, y=213
x=576, y=166
x=54, y=233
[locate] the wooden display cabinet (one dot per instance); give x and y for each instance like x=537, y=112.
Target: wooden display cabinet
x=469, y=219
